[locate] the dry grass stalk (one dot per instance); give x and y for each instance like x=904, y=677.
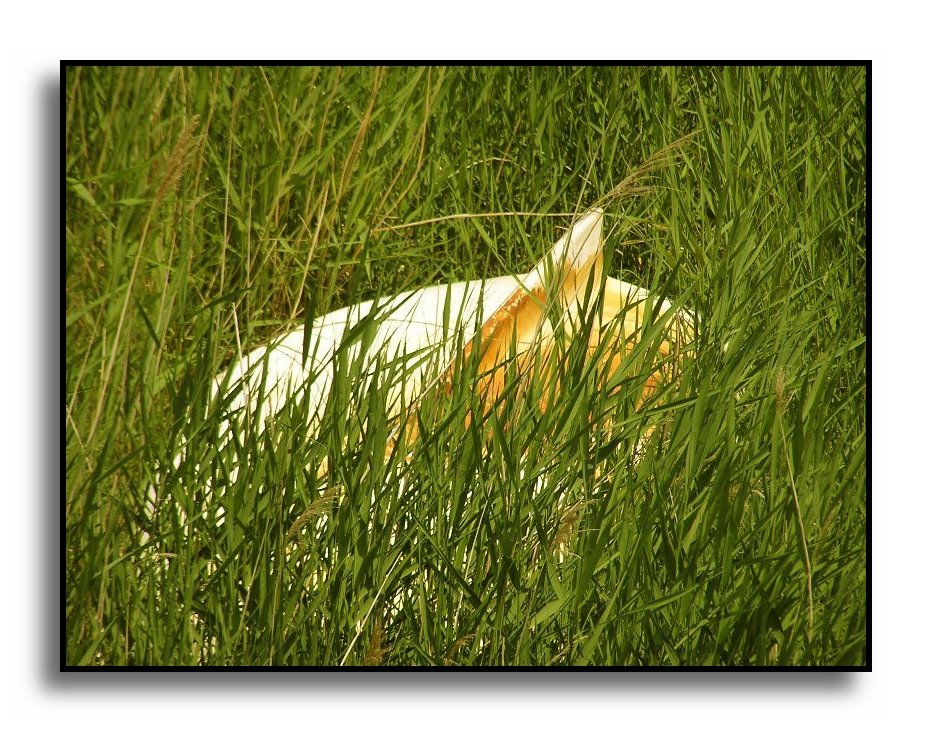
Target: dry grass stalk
x=376, y=650
x=178, y=160
x=318, y=507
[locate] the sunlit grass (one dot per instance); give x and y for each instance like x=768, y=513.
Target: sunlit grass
x=209, y=210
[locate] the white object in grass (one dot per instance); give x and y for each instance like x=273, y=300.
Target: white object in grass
x=421, y=330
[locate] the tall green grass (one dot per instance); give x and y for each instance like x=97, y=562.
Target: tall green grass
x=208, y=210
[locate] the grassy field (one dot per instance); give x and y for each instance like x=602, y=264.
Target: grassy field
x=208, y=210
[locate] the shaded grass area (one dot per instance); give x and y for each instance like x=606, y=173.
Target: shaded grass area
x=208, y=210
